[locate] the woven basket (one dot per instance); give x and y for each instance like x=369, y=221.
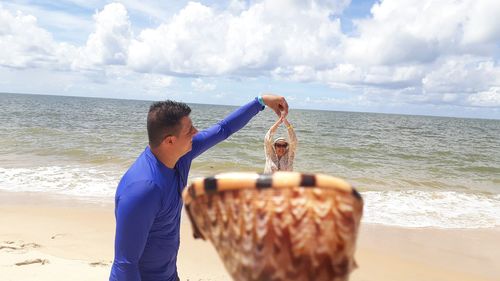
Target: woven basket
x=284, y=226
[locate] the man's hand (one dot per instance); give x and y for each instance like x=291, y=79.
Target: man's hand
x=276, y=103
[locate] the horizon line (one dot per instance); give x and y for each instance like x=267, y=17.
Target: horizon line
x=233, y=105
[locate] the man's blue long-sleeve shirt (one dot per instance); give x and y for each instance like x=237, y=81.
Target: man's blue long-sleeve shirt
x=148, y=206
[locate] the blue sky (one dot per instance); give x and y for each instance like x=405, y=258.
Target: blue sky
x=406, y=56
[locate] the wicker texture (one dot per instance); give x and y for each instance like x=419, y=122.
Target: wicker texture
x=281, y=234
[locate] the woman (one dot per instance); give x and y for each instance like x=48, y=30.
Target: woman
x=280, y=153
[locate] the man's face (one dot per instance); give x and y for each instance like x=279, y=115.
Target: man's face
x=184, y=140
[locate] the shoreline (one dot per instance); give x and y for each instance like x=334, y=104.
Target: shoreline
x=56, y=235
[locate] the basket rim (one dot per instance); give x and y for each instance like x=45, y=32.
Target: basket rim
x=247, y=180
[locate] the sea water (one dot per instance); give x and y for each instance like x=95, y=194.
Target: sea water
x=413, y=171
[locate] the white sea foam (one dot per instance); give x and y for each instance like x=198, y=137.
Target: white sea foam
x=412, y=208
x=69, y=180
x=435, y=209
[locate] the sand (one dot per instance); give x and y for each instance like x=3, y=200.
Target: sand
x=51, y=238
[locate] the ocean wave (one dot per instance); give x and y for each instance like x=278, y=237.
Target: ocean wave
x=69, y=180
x=434, y=209
x=411, y=208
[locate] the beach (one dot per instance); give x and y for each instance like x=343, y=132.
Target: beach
x=430, y=186
x=105, y=102
x=45, y=237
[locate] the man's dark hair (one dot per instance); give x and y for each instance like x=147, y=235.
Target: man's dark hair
x=164, y=119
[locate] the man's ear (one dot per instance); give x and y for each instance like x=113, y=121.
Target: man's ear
x=169, y=140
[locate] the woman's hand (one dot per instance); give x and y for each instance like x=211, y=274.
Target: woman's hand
x=279, y=121
x=287, y=124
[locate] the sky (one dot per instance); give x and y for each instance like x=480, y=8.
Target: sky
x=422, y=57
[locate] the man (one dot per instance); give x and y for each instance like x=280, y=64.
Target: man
x=148, y=200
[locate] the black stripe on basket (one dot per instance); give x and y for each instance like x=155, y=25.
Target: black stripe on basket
x=210, y=184
x=356, y=194
x=264, y=181
x=307, y=180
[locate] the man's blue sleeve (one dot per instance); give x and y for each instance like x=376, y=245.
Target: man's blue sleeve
x=223, y=129
x=136, y=209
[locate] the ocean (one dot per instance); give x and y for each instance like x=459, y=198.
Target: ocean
x=412, y=171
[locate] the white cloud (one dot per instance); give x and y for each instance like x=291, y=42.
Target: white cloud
x=389, y=77
x=420, y=55
x=329, y=101
x=199, y=85
x=202, y=40
x=482, y=25
x=437, y=52
x=153, y=85
x=221, y=95
x=301, y=73
x=25, y=45
x=406, y=51
x=108, y=45
x=156, y=10
x=237, y=6
x=400, y=47
x=463, y=74
x=398, y=34
x=161, y=81
x=69, y=27
x=488, y=98
x=460, y=77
